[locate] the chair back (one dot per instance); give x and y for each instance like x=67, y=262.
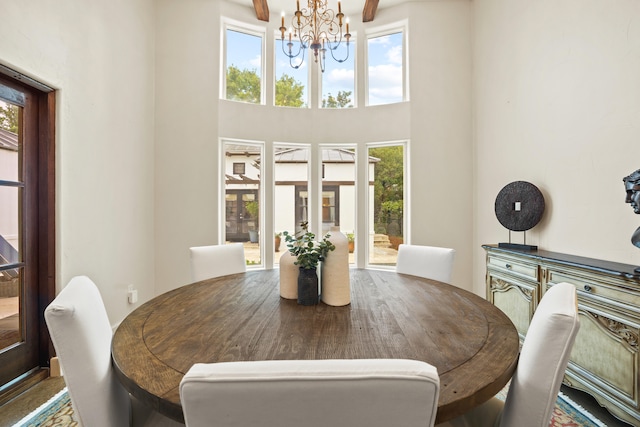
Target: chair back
x=429, y=262
x=311, y=393
x=208, y=262
x=543, y=359
x=81, y=335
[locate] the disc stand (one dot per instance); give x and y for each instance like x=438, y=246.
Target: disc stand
x=522, y=247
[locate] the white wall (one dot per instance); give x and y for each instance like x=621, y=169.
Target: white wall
x=557, y=103
x=441, y=163
x=99, y=55
x=437, y=121
x=186, y=161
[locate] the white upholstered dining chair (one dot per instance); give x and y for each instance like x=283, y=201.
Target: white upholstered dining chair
x=429, y=262
x=543, y=359
x=311, y=393
x=81, y=335
x=208, y=262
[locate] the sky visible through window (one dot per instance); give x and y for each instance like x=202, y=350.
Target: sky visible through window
x=244, y=51
x=340, y=76
x=384, y=67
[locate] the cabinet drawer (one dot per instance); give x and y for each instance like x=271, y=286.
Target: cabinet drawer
x=513, y=266
x=597, y=289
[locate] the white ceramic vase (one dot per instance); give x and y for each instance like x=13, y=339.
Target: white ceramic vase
x=336, y=285
x=288, y=276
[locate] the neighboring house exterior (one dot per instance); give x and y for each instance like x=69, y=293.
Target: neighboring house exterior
x=242, y=172
x=9, y=196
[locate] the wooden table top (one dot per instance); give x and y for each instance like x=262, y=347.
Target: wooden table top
x=242, y=317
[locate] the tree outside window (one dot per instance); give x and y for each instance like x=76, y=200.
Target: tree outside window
x=243, y=67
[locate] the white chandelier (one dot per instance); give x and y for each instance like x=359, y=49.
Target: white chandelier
x=315, y=27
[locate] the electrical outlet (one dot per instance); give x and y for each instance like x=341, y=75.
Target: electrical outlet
x=132, y=295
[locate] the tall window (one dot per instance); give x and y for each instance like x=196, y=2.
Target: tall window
x=367, y=207
x=243, y=197
x=386, y=212
x=386, y=69
x=339, y=203
x=291, y=193
x=339, y=80
x=243, y=66
x=291, y=83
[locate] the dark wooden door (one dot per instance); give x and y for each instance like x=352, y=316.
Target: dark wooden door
x=27, y=228
x=238, y=219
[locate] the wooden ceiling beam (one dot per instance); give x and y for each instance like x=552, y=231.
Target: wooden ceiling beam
x=262, y=9
x=369, y=10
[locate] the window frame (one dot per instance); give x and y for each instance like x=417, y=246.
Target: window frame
x=239, y=168
x=223, y=142
x=406, y=205
x=252, y=30
x=385, y=30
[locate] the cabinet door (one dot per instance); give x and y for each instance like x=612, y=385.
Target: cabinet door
x=516, y=298
x=604, y=361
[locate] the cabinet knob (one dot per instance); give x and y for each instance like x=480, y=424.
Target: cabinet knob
x=508, y=266
x=587, y=288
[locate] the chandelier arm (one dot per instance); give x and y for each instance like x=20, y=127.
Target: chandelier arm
x=331, y=49
x=301, y=48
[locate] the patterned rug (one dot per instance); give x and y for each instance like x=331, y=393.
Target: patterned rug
x=57, y=412
x=567, y=413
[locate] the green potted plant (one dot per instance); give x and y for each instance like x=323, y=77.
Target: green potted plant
x=351, y=242
x=278, y=239
x=253, y=209
x=308, y=253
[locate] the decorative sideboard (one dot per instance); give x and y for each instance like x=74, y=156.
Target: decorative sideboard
x=604, y=361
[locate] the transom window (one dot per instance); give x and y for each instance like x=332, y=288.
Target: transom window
x=385, y=68
x=290, y=83
x=243, y=65
x=385, y=72
x=339, y=81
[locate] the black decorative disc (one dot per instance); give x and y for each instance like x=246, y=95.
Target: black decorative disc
x=519, y=206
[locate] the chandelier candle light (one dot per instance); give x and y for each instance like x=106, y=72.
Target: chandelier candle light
x=315, y=27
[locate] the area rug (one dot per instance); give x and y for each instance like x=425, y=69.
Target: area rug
x=57, y=412
x=567, y=413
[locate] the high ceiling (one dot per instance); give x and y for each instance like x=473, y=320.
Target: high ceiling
x=355, y=9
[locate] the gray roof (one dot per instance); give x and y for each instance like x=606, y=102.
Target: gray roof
x=331, y=155
x=8, y=140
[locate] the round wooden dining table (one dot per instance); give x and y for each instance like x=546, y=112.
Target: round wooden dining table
x=242, y=317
